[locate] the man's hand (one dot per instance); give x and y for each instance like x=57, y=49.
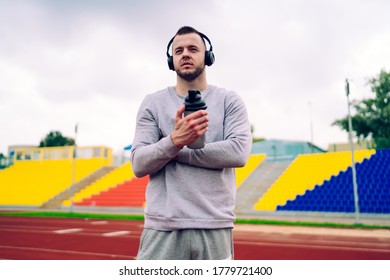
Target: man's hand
x=190, y=128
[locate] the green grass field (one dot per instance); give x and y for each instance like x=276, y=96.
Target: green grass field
x=141, y=218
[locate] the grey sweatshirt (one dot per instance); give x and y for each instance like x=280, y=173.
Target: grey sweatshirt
x=197, y=190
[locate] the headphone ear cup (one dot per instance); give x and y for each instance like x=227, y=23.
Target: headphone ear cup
x=170, y=63
x=209, y=58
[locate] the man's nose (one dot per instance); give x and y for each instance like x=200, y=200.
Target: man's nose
x=186, y=53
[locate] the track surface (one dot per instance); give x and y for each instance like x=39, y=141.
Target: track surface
x=29, y=238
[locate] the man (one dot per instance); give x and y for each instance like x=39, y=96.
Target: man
x=190, y=196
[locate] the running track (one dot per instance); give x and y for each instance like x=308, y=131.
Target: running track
x=28, y=238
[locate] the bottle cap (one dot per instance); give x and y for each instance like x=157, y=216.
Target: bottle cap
x=194, y=101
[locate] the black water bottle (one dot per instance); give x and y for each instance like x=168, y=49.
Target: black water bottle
x=193, y=103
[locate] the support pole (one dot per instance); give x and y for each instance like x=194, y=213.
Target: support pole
x=74, y=156
x=355, y=186
x=311, y=129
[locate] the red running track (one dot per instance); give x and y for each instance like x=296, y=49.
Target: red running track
x=31, y=238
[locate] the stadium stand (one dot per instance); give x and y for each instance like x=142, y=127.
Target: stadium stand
x=121, y=189
x=257, y=183
x=304, y=173
x=131, y=193
x=41, y=173
x=253, y=162
x=337, y=195
x=117, y=176
x=310, y=182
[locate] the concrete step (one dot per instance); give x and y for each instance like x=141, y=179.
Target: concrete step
x=257, y=184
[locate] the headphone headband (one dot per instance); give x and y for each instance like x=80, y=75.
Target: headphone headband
x=209, y=55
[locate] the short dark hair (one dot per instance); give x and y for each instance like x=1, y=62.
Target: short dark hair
x=187, y=30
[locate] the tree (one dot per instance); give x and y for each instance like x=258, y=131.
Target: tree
x=372, y=118
x=255, y=139
x=3, y=163
x=55, y=139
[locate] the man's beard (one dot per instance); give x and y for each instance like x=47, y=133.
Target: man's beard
x=190, y=76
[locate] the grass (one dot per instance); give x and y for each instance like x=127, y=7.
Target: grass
x=75, y=215
x=309, y=224
x=141, y=218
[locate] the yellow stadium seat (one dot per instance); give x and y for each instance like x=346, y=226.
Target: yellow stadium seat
x=33, y=182
x=304, y=173
x=242, y=173
x=118, y=175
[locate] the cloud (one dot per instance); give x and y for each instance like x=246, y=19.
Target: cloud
x=92, y=62
x=290, y=53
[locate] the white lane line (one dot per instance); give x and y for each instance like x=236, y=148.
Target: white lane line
x=132, y=234
x=116, y=233
x=65, y=252
x=317, y=246
x=70, y=230
x=99, y=223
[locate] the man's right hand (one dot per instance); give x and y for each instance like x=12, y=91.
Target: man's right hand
x=189, y=128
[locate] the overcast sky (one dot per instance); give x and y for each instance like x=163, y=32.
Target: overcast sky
x=92, y=63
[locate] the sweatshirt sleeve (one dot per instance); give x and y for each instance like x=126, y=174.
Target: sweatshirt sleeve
x=234, y=150
x=150, y=151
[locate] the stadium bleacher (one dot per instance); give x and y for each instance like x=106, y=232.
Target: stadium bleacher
x=117, y=176
x=120, y=188
x=337, y=194
x=242, y=173
x=304, y=173
x=39, y=174
x=130, y=193
x=320, y=182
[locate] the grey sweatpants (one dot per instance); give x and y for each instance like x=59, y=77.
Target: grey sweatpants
x=186, y=244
